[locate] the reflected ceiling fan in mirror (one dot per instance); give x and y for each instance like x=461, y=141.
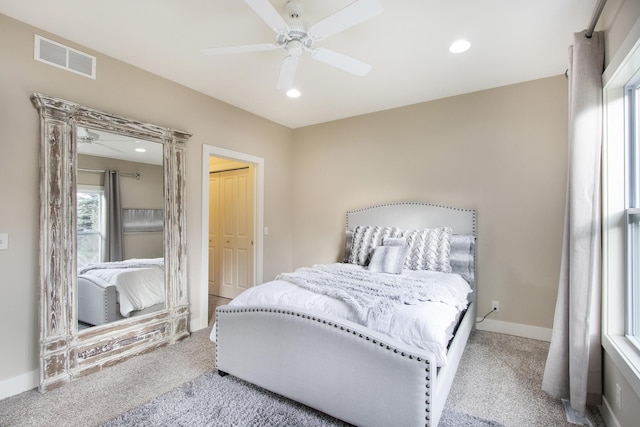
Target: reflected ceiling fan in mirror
x=296, y=37
x=101, y=143
x=86, y=136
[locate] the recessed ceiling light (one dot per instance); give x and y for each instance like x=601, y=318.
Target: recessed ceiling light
x=141, y=150
x=459, y=46
x=293, y=93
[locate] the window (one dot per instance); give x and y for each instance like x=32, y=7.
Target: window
x=632, y=116
x=621, y=210
x=91, y=225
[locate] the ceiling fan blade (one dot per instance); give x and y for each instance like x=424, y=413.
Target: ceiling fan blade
x=259, y=47
x=338, y=60
x=86, y=134
x=108, y=146
x=351, y=15
x=269, y=15
x=287, y=72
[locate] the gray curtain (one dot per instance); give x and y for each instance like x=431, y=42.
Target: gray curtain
x=113, y=250
x=574, y=366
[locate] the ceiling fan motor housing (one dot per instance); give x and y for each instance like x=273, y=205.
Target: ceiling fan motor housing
x=294, y=8
x=296, y=40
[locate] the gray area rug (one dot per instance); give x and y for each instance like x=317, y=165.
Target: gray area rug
x=211, y=400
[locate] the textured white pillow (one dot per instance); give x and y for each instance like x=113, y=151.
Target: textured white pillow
x=429, y=249
x=365, y=239
x=394, y=241
x=388, y=259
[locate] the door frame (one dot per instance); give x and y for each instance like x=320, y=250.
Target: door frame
x=258, y=217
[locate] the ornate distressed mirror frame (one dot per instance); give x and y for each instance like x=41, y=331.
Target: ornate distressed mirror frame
x=66, y=353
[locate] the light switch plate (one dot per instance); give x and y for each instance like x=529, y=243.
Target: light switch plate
x=4, y=241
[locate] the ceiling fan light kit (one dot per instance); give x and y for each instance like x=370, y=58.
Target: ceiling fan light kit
x=293, y=93
x=296, y=37
x=459, y=46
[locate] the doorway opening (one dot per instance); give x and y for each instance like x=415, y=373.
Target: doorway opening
x=232, y=224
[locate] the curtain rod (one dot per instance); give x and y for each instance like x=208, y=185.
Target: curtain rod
x=592, y=24
x=135, y=175
x=594, y=18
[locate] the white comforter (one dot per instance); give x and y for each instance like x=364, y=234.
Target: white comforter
x=427, y=325
x=140, y=283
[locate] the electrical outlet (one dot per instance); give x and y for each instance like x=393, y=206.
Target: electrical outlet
x=495, y=306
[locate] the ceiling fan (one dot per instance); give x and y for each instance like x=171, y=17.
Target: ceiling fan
x=296, y=37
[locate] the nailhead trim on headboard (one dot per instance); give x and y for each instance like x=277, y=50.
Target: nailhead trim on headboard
x=473, y=211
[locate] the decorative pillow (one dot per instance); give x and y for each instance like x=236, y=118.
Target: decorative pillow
x=365, y=239
x=348, y=242
x=429, y=249
x=394, y=241
x=462, y=255
x=388, y=259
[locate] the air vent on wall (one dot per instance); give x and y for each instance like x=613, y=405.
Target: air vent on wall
x=62, y=56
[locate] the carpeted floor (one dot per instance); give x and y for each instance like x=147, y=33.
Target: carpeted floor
x=498, y=379
x=213, y=401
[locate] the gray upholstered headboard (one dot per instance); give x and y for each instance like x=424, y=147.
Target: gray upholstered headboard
x=414, y=215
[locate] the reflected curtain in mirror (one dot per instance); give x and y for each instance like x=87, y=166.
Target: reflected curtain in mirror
x=114, y=216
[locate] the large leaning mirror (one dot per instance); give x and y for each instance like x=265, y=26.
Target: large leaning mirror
x=112, y=239
x=119, y=227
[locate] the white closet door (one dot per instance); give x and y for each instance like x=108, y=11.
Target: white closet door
x=236, y=230
x=214, y=235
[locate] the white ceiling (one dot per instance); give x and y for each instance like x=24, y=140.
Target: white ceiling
x=407, y=45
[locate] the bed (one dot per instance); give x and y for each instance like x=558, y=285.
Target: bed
x=110, y=291
x=334, y=362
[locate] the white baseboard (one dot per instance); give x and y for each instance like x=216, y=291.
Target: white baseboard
x=19, y=384
x=517, y=329
x=608, y=417
x=197, y=323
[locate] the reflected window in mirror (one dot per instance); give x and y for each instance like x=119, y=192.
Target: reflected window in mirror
x=91, y=222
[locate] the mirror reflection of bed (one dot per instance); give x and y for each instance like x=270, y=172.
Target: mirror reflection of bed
x=120, y=201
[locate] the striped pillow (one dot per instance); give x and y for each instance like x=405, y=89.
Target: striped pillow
x=462, y=256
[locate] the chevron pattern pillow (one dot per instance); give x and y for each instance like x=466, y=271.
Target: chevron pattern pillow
x=429, y=248
x=365, y=239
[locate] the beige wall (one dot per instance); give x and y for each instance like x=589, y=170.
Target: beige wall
x=618, y=16
x=501, y=151
x=128, y=91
